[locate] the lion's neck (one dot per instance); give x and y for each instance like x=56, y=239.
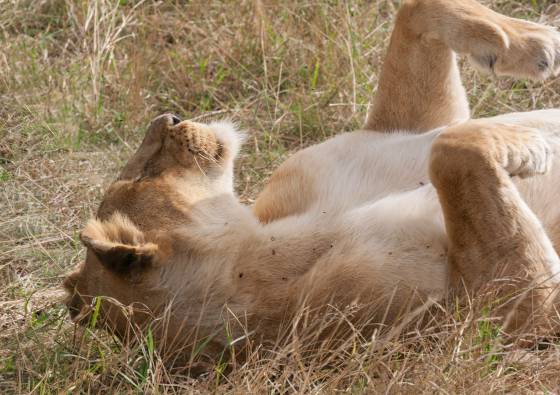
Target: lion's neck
x=224, y=225
x=229, y=258
x=247, y=251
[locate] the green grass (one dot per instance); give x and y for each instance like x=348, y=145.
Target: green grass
x=76, y=94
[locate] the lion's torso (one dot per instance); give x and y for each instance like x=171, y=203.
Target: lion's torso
x=378, y=186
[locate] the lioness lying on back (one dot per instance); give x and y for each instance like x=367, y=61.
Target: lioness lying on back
x=407, y=210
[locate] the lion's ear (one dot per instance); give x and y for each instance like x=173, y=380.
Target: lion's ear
x=119, y=245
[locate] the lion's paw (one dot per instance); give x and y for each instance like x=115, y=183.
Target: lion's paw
x=525, y=152
x=531, y=50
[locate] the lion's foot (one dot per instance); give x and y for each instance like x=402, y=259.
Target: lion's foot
x=524, y=152
x=520, y=151
x=528, y=50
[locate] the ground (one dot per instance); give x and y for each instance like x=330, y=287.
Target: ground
x=80, y=80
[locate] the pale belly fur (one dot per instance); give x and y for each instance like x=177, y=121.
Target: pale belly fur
x=378, y=185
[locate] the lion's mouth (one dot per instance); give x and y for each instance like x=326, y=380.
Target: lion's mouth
x=78, y=308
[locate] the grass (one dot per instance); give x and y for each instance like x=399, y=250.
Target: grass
x=79, y=81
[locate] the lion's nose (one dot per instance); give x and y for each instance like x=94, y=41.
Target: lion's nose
x=175, y=119
x=77, y=308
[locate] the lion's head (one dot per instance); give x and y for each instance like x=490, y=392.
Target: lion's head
x=141, y=248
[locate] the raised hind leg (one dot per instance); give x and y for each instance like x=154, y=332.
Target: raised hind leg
x=496, y=242
x=420, y=88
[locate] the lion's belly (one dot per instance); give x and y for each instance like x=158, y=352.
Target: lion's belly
x=345, y=172
x=363, y=167
x=356, y=168
x=404, y=234
x=380, y=186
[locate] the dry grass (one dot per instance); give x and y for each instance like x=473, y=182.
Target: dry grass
x=79, y=80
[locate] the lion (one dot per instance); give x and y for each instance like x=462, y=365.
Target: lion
x=422, y=204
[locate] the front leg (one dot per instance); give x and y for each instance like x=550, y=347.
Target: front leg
x=496, y=241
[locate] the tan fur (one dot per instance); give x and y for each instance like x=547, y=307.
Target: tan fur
x=555, y=235
x=172, y=238
x=118, y=229
x=296, y=191
x=420, y=88
x=471, y=167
